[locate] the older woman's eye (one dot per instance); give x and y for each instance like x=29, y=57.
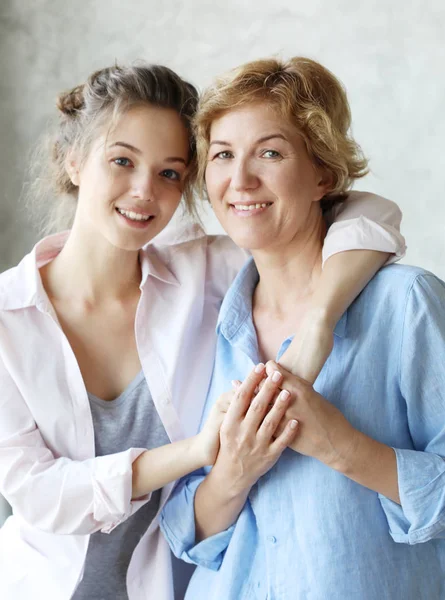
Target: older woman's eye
x=271, y=154
x=121, y=161
x=225, y=154
x=171, y=174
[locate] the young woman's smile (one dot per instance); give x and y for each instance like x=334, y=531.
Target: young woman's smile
x=135, y=174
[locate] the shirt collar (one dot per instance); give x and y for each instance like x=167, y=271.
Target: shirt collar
x=237, y=304
x=21, y=286
x=172, y=235
x=152, y=265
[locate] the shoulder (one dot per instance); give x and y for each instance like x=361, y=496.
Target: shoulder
x=369, y=205
x=15, y=288
x=399, y=294
x=400, y=280
x=216, y=256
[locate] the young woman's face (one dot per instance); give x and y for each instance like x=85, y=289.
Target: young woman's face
x=262, y=185
x=132, y=180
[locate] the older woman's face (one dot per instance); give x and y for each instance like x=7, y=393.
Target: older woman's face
x=262, y=185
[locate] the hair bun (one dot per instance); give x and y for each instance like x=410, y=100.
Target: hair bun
x=69, y=103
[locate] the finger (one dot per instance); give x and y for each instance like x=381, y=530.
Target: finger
x=286, y=438
x=289, y=379
x=235, y=383
x=262, y=401
x=269, y=424
x=224, y=401
x=245, y=394
x=258, y=388
x=272, y=366
x=281, y=426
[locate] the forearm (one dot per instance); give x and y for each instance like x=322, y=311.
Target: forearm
x=371, y=464
x=155, y=468
x=343, y=278
x=217, y=504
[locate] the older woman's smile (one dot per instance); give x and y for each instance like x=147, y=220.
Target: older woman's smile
x=257, y=159
x=249, y=209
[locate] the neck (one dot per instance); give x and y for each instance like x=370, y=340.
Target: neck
x=289, y=273
x=91, y=270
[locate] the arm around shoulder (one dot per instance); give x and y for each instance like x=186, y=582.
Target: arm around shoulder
x=365, y=221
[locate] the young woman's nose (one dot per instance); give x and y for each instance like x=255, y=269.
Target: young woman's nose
x=143, y=187
x=243, y=176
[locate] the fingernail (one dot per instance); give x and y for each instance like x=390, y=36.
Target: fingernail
x=284, y=395
x=276, y=376
x=293, y=424
x=259, y=368
x=235, y=383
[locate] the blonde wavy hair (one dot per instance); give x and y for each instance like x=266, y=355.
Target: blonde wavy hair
x=303, y=92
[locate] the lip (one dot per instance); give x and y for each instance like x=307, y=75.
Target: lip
x=136, y=210
x=135, y=224
x=249, y=213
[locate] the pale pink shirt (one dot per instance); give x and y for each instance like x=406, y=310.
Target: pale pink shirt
x=60, y=492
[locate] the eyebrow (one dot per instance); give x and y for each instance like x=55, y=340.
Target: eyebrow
x=266, y=138
x=169, y=159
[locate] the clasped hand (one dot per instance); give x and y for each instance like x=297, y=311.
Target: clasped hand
x=271, y=410
x=323, y=431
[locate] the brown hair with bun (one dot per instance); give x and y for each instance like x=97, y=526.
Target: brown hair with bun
x=85, y=109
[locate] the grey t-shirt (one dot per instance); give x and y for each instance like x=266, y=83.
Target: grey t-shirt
x=129, y=421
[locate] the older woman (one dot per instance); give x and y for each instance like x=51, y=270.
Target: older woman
x=355, y=507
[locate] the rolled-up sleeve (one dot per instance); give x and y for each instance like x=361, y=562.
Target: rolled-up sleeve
x=365, y=222
x=421, y=471
x=178, y=526
x=57, y=494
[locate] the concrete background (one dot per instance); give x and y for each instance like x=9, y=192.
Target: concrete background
x=390, y=55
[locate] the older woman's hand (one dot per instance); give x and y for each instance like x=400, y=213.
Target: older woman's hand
x=250, y=443
x=323, y=432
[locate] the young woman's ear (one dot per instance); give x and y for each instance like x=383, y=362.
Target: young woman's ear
x=72, y=167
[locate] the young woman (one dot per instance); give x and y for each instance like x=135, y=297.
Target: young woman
x=107, y=343
x=354, y=508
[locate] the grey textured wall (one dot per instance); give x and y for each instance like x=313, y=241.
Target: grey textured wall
x=390, y=55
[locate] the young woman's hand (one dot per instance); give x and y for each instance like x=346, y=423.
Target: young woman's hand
x=207, y=440
x=323, y=432
x=250, y=445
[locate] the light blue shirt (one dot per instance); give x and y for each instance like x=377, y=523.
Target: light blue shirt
x=306, y=531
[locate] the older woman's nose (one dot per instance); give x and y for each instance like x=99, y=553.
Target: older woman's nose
x=243, y=177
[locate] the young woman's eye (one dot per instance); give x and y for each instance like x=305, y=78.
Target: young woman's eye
x=271, y=154
x=171, y=174
x=224, y=154
x=121, y=161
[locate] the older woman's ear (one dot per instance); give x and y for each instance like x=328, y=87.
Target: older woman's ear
x=325, y=182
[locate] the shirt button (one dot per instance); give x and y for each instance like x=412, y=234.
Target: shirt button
x=272, y=539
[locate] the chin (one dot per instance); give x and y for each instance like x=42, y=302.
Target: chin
x=129, y=243
x=249, y=241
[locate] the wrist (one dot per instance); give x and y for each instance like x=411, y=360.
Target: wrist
x=227, y=479
x=344, y=455
x=198, y=451
x=319, y=316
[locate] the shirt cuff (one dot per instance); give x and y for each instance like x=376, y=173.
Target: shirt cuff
x=363, y=234
x=112, y=479
x=178, y=525
x=421, y=515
